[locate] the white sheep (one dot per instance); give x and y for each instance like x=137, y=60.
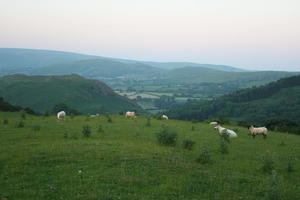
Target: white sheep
x=258, y=131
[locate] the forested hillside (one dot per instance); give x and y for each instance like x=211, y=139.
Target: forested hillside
x=280, y=99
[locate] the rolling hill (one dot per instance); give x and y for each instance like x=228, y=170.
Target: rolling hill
x=44, y=92
x=280, y=99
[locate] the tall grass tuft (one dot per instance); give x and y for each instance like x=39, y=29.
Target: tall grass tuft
x=19, y=124
x=148, y=123
x=223, y=145
x=109, y=119
x=86, y=131
x=274, y=191
x=5, y=121
x=23, y=114
x=268, y=164
x=204, y=157
x=188, y=143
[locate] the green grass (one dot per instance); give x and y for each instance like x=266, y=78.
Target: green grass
x=126, y=162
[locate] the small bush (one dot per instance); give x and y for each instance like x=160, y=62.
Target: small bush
x=66, y=135
x=223, y=145
x=5, y=121
x=290, y=167
x=193, y=128
x=188, y=143
x=23, y=114
x=274, y=190
x=268, y=164
x=100, y=129
x=109, y=119
x=148, y=123
x=36, y=128
x=86, y=131
x=204, y=157
x=46, y=113
x=167, y=136
x=20, y=124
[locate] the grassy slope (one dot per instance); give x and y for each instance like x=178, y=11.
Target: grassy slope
x=125, y=162
x=43, y=92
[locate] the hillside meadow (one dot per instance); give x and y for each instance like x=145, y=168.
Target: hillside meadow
x=122, y=159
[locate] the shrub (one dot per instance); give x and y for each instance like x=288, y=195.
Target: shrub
x=20, y=124
x=86, y=131
x=274, y=191
x=268, y=164
x=290, y=167
x=223, y=145
x=36, y=128
x=167, y=136
x=188, y=143
x=23, y=114
x=148, y=123
x=46, y=113
x=100, y=129
x=66, y=135
x=109, y=119
x=204, y=157
x=193, y=128
x=5, y=121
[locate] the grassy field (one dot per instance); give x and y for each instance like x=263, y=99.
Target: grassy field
x=47, y=159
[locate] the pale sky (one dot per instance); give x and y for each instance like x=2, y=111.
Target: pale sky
x=252, y=34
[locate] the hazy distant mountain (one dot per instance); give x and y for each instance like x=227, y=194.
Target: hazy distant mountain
x=43, y=92
x=14, y=58
x=175, y=65
x=11, y=58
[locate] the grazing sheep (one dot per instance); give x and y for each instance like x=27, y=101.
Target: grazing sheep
x=61, y=115
x=213, y=124
x=130, y=114
x=223, y=130
x=258, y=131
x=164, y=117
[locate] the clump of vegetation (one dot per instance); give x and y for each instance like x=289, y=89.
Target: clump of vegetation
x=290, y=167
x=268, y=164
x=36, y=128
x=19, y=124
x=66, y=135
x=204, y=157
x=148, y=123
x=86, y=131
x=167, y=136
x=87, y=118
x=194, y=121
x=223, y=145
x=188, y=143
x=46, y=113
x=5, y=121
x=193, y=128
x=23, y=114
x=282, y=143
x=100, y=129
x=274, y=191
x=109, y=119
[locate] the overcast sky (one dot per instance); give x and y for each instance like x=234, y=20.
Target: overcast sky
x=253, y=34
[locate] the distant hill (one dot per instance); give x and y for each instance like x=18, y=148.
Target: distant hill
x=175, y=65
x=14, y=58
x=44, y=92
x=244, y=79
x=99, y=69
x=11, y=58
x=280, y=99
